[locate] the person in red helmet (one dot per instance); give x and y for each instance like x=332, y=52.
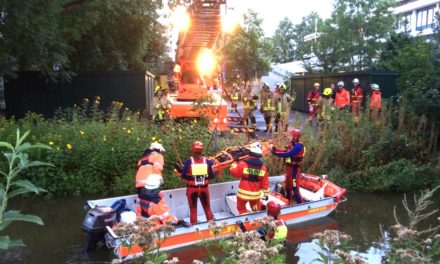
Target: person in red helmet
x=293, y=155
x=277, y=233
x=197, y=171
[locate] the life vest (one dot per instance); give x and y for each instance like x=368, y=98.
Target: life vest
x=376, y=99
x=198, y=172
x=357, y=95
x=342, y=98
x=280, y=231
x=295, y=160
x=150, y=163
x=313, y=97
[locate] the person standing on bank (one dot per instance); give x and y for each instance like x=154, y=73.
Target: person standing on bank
x=281, y=102
x=376, y=101
x=197, y=171
x=357, y=96
x=312, y=99
x=342, y=97
x=266, y=106
x=249, y=105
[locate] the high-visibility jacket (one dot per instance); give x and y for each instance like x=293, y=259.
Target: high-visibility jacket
x=267, y=101
x=234, y=96
x=254, y=178
x=248, y=101
x=342, y=98
x=151, y=163
x=279, y=232
x=281, y=102
x=161, y=107
x=376, y=99
x=313, y=96
x=357, y=95
x=197, y=171
x=158, y=208
x=325, y=107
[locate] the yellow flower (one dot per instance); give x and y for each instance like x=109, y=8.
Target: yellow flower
x=104, y=138
x=51, y=143
x=69, y=146
x=180, y=137
x=129, y=131
x=128, y=118
x=81, y=132
x=124, y=128
x=195, y=120
x=138, y=139
x=113, y=149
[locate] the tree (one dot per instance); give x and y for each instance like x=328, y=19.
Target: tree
x=283, y=42
x=247, y=50
x=354, y=36
x=61, y=36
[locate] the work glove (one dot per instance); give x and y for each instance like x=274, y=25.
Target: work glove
x=265, y=198
x=178, y=167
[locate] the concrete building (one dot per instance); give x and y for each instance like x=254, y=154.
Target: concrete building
x=417, y=16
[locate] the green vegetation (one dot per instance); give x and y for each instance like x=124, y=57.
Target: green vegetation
x=96, y=152
x=11, y=186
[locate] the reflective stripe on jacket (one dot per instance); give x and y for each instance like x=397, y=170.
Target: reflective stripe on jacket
x=254, y=178
x=149, y=164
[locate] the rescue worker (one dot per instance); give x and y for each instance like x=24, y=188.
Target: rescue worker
x=253, y=179
x=266, y=106
x=279, y=232
x=312, y=98
x=197, y=171
x=234, y=97
x=357, y=97
x=342, y=97
x=293, y=155
x=376, y=101
x=281, y=102
x=249, y=105
x=161, y=105
x=148, y=182
x=325, y=106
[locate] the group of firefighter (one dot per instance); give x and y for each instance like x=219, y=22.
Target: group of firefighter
x=277, y=104
x=197, y=171
x=272, y=105
x=338, y=97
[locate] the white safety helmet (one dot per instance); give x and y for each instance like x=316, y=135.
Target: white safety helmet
x=153, y=181
x=157, y=146
x=256, y=148
x=340, y=83
x=355, y=80
x=375, y=87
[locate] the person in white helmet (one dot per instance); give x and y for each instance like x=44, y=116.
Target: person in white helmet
x=253, y=179
x=357, y=96
x=149, y=173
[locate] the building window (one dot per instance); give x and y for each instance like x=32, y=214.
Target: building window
x=405, y=22
x=425, y=18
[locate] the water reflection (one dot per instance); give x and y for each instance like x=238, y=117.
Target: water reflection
x=61, y=240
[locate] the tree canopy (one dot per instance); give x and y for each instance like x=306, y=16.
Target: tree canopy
x=247, y=50
x=65, y=36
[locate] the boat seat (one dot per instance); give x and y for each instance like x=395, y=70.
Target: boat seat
x=231, y=201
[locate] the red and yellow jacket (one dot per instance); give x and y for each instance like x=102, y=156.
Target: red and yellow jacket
x=357, y=96
x=254, y=178
x=313, y=96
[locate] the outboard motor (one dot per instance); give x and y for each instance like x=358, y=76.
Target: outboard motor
x=95, y=223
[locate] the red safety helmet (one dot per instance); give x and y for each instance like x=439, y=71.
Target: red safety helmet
x=197, y=147
x=295, y=134
x=273, y=208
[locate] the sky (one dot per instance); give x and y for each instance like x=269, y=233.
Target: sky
x=273, y=11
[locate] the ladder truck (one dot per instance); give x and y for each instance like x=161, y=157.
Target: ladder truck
x=196, y=68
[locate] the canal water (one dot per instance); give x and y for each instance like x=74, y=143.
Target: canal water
x=61, y=240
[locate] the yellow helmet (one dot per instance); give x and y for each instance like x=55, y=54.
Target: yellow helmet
x=157, y=89
x=282, y=86
x=327, y=91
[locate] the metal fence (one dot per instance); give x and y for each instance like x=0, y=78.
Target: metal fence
x=301, y=85
x=32, y=92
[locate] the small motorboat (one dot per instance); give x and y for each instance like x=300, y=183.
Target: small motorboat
x=321, y=197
